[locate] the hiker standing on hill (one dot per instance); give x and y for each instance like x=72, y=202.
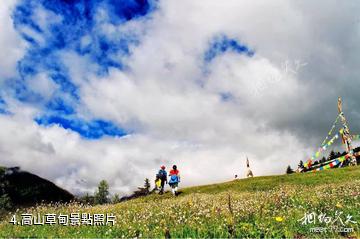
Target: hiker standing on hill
x=163, y=177
x=157, y=183
x=174, y=180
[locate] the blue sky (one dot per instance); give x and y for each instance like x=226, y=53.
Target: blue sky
x=72, y=27
x=221, y=44
x=75, y=20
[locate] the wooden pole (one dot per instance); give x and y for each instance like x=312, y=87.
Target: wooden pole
x=346, y=136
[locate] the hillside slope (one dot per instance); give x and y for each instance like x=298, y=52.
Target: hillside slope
x=27, y=189
x=271, y=206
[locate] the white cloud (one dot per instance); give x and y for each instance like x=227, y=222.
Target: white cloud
x=42, y=85
x=12, y=46
x=44, y=18
x=175, y=110
x=78, y=164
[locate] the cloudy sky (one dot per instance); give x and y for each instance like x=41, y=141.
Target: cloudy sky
x=112, y=89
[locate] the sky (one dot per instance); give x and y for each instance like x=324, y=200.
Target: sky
x=113, y=89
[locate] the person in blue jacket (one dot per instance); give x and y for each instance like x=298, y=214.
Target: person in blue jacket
x=163, y=177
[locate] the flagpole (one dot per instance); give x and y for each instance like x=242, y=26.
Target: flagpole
x=346, y=136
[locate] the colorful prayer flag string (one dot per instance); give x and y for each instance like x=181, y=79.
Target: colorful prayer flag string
x=331, y=130
x=333, y=163
x=323, y=148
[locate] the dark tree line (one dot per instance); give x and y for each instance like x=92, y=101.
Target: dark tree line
x=102, y=194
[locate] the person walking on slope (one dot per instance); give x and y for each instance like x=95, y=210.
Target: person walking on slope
x=163, y=178
x=157, y=183
x=174, y=180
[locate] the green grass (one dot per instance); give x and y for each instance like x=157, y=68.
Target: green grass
x=269, y=206
x=268, y=182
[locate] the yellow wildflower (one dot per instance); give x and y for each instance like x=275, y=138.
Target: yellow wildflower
x=338, y=205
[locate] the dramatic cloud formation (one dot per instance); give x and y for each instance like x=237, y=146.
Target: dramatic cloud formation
x=114, y=89
x=12, y=45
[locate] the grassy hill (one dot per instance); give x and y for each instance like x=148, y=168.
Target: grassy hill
x=271, y=206
x=24, y=188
